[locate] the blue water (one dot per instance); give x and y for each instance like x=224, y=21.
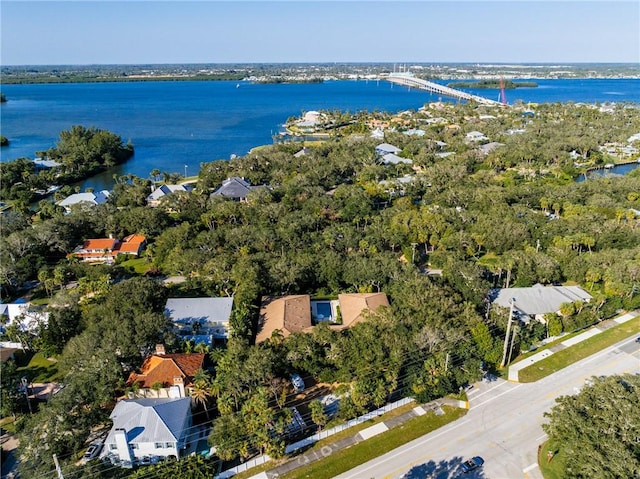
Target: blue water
x=178, y=124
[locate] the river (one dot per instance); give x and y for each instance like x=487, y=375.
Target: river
x=176, y=126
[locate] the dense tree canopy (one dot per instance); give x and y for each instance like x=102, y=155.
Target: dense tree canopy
x=324, y=224
x=597, y=429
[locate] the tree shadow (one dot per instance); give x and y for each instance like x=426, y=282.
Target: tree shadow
x=442, y=470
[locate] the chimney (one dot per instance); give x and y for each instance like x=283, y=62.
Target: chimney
x=122, y=445
x=160, y=351
x=179, y=382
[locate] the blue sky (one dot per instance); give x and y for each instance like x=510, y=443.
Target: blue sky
x=107, y=32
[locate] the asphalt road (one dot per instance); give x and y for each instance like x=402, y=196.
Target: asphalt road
x=503, y=426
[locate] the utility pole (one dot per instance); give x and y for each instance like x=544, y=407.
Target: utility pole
x=58, y=470
x=512, y=301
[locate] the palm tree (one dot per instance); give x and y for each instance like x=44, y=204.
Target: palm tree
x=157, y=386
x=201, y=392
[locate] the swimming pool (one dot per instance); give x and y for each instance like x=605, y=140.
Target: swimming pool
x=323, y=311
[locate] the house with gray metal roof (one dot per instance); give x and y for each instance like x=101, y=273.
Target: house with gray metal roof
x=538, y=300
x=234, y=188
x=200, y=319
x=160, y=192
x=152, y=428
x=393, y=159
x=385, y=148
x=88, y=199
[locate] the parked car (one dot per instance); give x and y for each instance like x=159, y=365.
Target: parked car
x=471, y=464
x=92, y=451
x=297, y=382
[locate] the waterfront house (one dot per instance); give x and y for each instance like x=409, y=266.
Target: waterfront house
x=200, y=319
x=536, y=301
x=85, y=199
x=165, y=375
x=105, y=250
x=45, y=164
x=160, y=192
x=148, y=428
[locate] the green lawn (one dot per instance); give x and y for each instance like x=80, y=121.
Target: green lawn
x=360, y=453
x=554, y=468
x=139, y=265
x=37, y=368
x=575, y=353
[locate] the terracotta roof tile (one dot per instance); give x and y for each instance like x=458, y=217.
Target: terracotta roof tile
x=289, y=314
x=353, y=304
x=100, y=243
x=163, y=368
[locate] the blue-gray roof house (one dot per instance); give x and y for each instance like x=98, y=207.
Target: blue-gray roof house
x=234, y=188
x=151, y=428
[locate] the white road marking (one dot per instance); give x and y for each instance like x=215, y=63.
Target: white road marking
x=529, y=468
x=496, y=397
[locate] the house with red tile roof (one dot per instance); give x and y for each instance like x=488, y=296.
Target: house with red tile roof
x=105, y=250
x=173, y=372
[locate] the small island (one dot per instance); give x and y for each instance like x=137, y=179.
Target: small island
x=80, y=153
x=4, y=141
x=493, y=84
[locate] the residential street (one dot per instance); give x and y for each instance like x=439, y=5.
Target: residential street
x=503, y=425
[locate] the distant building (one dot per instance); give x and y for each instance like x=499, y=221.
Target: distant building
x=475, y=136
x=489, y=147
x=44, y=164
x=105, y=250
x=391, y=159
x=385, y=148
x=160, y=192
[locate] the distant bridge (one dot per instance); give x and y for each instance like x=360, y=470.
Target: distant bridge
x=408, y=79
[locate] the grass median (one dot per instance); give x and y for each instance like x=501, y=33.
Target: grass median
x=572, y=354
x=364, y=451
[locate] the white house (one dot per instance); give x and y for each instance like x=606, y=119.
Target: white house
x=476, y=136
x=148, y=428
x=200, y=319
x=385, y=148
x=89, y=199
x=24, y=315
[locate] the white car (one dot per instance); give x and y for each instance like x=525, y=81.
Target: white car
x=92, y=451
